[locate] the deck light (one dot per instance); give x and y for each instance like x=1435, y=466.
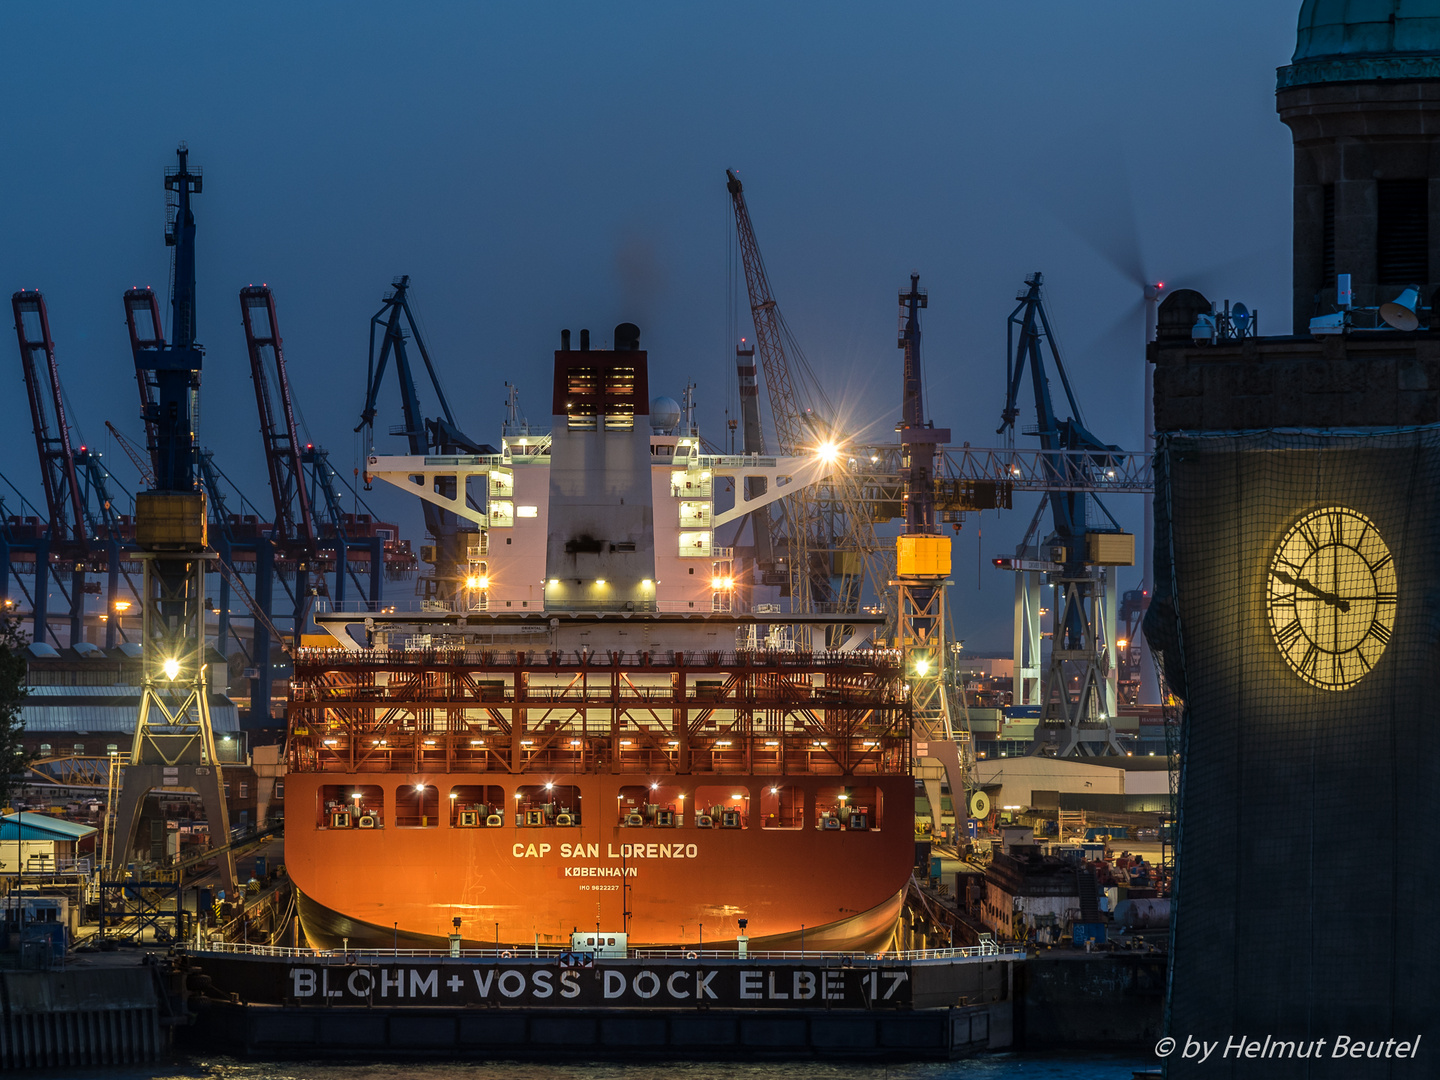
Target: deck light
x=171, y=667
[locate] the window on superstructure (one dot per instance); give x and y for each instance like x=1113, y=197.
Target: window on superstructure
x=1327, y=237
x=619, y=418
x=1402, y=232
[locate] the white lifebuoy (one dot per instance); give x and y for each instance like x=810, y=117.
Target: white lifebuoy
x=692, y=956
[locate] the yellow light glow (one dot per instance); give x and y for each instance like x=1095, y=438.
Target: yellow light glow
x=599, y=581
x=171, y=668
x=121, y=606
x=716, y=582
x=827, y=452
x=646, y=583
x=922, y=666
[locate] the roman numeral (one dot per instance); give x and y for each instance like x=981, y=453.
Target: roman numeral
x=1311, y=540
x=1288, y=634
x=1337, y=527
x=1380, y=632
x=1385, y=598
x=1365, y=664
x=1309, y=661
x=1378, y=563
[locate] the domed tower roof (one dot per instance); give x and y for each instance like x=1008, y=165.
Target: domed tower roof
x=1354, y=40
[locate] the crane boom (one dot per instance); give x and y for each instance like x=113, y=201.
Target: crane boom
x=294, y=517
x=63, y=496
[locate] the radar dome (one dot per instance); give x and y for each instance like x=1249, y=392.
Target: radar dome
x=664, y=415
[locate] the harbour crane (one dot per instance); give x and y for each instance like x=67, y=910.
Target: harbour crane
x=309, y=528
x=86, y=528
x=294, y=521
x=390, y=328
x=1078, y=691
x=922, y=570
x=174, y=743
x=831, y=541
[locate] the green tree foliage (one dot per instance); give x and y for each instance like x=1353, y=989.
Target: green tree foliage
x=13, y=757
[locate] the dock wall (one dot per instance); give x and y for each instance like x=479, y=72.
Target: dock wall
x=77, y=1018
x=1100, y=1002
x=277, y=1031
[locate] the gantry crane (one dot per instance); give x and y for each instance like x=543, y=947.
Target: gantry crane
x=395, y=324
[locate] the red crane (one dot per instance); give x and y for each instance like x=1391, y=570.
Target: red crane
x=294, y=517
x=63, y=497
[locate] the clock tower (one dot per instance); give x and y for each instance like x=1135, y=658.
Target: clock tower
x=1297, y=595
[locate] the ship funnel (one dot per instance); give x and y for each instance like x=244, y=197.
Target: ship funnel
x=584, y=340
x=627, y=337
x=564, y=340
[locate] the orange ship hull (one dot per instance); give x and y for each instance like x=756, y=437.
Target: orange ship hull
x=513, y=885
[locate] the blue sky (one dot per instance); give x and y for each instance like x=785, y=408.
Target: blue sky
x=545, y=165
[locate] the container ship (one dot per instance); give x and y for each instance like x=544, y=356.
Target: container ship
x=591, y=736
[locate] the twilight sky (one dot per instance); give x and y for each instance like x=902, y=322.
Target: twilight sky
x=544, y=165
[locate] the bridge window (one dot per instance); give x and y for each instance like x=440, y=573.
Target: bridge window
x=417, y=806
x=351, y=806
x=477, y=806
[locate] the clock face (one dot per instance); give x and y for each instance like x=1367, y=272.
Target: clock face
x=1331, y=597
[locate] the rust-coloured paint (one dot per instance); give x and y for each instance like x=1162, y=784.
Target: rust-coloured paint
x=513, y=884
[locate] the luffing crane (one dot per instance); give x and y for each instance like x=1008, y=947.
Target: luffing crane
x=831, y=541
x=395, y=324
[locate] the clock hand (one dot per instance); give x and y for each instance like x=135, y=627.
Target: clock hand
x=1301, y=583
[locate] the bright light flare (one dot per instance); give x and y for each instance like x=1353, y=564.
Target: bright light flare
x=171, y=668
x=922, y=667
x=828, y=452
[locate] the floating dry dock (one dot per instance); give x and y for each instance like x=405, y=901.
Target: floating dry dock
x=673, y=1003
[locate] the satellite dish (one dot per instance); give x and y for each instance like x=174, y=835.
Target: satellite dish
x=1240, y=318
x=979, y=804
x=1400, y=312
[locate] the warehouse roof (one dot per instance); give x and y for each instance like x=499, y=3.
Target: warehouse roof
x=103, y=708
x=42, y=827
